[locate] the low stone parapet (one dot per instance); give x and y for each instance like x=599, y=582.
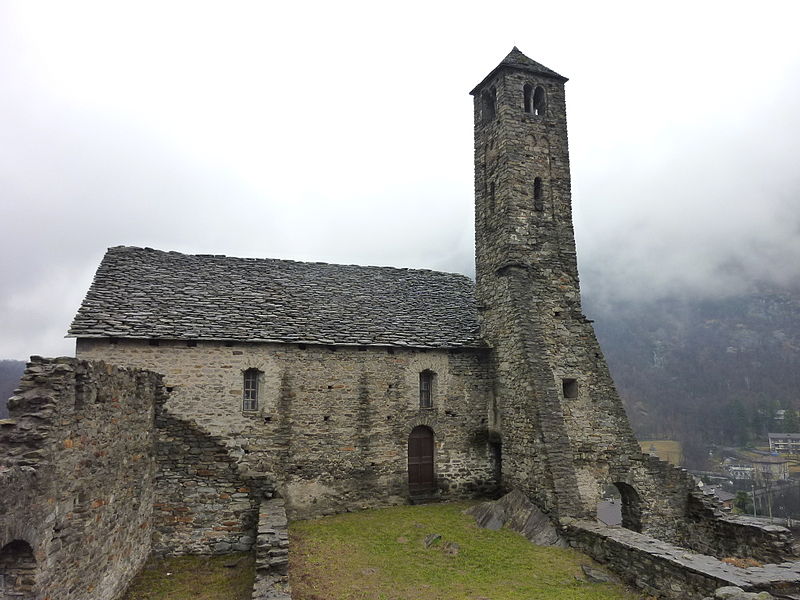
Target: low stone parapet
x=709, y=531
x=668, y=571
x=272, y=552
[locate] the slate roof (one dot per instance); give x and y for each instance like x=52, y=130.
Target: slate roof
x=517, y=60
x=146, y=293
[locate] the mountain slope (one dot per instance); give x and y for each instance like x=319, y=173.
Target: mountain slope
x=704, y=371
x=10, y=372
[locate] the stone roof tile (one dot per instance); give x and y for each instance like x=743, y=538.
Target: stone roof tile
x=146, y=293
x=517, y=60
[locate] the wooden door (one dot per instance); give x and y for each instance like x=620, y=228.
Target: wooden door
x=420, y=460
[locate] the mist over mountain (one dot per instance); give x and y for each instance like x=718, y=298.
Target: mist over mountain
x=10, y=373
x=704, y=370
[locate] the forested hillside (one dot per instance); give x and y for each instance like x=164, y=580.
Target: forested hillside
x=705, y=371
x=10, y=372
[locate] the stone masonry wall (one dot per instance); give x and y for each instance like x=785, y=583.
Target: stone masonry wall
x=77, y=474
x=272, y=552
x=664, y=570
x=708, y=531
x=204, y=504
x=333, y=422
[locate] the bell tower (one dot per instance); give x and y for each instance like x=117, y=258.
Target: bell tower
x=523, y=210
x=557, y=411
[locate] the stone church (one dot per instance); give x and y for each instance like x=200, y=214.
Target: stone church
x=353, y=386
x=209, y=393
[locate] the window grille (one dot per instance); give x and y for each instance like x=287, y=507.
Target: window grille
x=426, y=389
x=250, y=397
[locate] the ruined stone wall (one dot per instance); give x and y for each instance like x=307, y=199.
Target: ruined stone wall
x=203, y=503
x=660, y=570
x=663, y=570
x=272, y=552
x=77, y=474
x=674, y=509
x=706, y=530
x=333, y=422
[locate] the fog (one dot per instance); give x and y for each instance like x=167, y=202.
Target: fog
x=342, y=132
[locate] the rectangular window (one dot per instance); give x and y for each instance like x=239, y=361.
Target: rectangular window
x=570, y=388
x=250, y=397
x=426, y=389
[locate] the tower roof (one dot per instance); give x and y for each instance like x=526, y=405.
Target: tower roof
x=517, y=60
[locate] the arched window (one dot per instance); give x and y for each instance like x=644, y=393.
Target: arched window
x=539, y=103
x=538, y=194
x=631, y=508
x=527, y=98
x=488, y=101
x=426, y=379
x=17, y=571
x=250, y=394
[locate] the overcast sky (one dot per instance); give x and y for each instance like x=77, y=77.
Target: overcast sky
x=342, y=132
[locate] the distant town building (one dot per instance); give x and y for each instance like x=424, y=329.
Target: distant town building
x=725, y=497
x=784, y=443
x=771, y=468
x=740, y=471
x=762, y=469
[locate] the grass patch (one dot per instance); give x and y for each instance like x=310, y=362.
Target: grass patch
x=670, y=451
x=227, y=577
x=380, y=555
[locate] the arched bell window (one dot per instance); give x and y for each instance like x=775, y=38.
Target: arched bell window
x=488, y=104
x=527, y=98
x=539, y=101
x=534, y=100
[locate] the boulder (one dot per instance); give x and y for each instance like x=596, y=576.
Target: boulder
x=516, y=512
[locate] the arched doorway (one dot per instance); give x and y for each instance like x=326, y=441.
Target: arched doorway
x=609, y=508
x=17, y=571
x=620, y=505
x=420, y=461
x=631, y=506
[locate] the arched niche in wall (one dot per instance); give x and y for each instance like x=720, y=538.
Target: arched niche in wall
x=17, y=571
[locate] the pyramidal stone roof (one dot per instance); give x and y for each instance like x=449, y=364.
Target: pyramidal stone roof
x=517, y=60
x=146, y=293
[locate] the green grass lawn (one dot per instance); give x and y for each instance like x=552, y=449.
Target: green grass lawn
x=380, y=555
x=195, y=578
